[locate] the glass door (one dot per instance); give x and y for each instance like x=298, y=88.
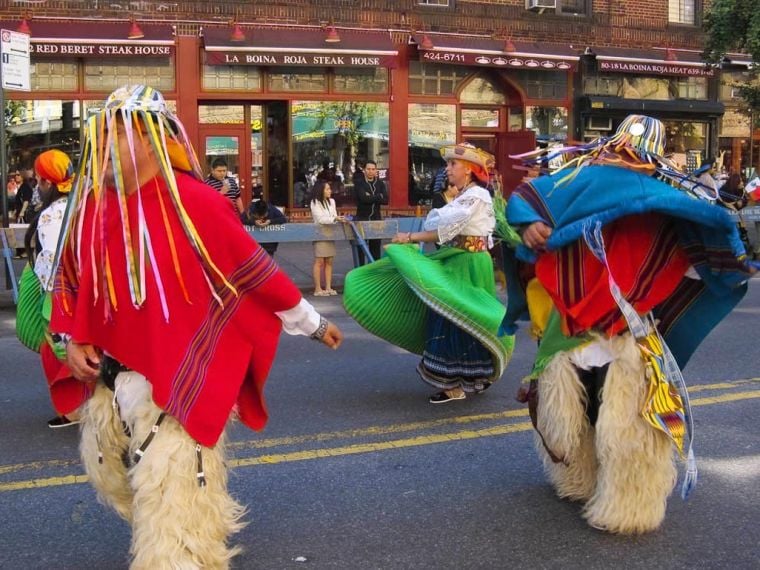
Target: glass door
x=227, y=144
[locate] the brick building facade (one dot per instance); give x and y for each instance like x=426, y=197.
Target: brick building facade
x=287, y=89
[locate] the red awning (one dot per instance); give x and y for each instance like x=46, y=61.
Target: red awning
x=96, y=39
x=489, y=52
x=302, y=46
x=655, y=61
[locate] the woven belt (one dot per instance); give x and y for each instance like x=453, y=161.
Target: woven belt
x=473, y=244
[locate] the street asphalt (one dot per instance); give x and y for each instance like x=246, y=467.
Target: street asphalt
x=357, y=470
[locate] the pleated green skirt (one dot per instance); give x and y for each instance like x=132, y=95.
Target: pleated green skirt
x=392, y=298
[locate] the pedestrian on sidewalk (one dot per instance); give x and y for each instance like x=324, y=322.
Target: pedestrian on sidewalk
x=172, y=319
x=370, y=193
x=324, y=211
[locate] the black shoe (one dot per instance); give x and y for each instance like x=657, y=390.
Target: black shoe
x=443, y=398
x=61, y=421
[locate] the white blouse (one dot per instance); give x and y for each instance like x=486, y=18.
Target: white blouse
x=322, y=214
x=469, y=214
x=48, y=230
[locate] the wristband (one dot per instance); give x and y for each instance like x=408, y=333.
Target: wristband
x=319, y=334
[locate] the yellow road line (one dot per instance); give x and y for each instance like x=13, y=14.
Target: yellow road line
x=372, y=447
x=725, y=398
x=380, y=446
x=375, y=430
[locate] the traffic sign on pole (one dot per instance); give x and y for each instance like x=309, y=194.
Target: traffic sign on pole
x=14, y=53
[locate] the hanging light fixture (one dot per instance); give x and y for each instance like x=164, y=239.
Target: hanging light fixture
x=23, y=28
x=509, y=46
x=135, y=33
x=332, y=35
x=237, y=35
x=426, y=42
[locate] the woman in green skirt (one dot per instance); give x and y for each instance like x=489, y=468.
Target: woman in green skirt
x=442, y=305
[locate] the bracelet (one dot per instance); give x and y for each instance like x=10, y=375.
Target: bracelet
x=319, y=334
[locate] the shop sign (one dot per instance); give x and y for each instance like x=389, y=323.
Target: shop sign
x=656, y=68
x=100, y=50
x=504, y=61
x=305, y=59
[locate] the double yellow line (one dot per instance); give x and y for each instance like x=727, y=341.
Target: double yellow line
x=729, y=395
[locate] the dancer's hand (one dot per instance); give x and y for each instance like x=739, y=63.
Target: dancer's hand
x=83, y=360
x=333, y=336
x=536, y=234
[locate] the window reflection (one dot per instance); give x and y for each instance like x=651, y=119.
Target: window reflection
x=332, y=140
x=37, y=126
x=431, y=126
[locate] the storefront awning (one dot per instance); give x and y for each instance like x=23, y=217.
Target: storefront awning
x=488, y=52
x=97, y=39
x=299, y=46
x=655, y=61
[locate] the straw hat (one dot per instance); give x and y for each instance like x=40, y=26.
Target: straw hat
x=470, y=153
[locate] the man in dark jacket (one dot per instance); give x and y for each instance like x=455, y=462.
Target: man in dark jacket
x=370, y=194
x=263, y=216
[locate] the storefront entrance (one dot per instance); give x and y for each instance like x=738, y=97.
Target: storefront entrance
x=257, y=157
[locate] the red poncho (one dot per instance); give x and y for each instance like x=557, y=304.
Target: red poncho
x=206, y=358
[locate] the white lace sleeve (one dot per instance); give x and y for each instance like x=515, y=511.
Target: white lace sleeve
x=48, y=230
x=453, y=217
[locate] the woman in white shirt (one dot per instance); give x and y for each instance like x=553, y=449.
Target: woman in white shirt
x=55, y=175
x=323, y=211
x=447, y=299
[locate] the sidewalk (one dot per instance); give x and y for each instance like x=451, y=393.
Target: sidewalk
x=296, y=259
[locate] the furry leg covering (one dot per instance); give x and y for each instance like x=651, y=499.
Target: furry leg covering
x=102, y=432
x=563, y=422
x=176, y=523
x=636, y=464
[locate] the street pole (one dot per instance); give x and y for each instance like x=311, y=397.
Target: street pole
x=3, y=161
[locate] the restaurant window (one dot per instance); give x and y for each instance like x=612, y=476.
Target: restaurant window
x=435, y=79
x=220, y=114
x=482, y=90
x=542, y=84
x=605, y=85
x=332, y=140
x=683, y=12
x=231, y=78
x=357, y=80
x=431, y=127
x=686, y=143
x=479, y=118
x=107, y=75
x=549, y=124
x=36, y=126
x=297, y=79
x=54, y=76
x=645, y=87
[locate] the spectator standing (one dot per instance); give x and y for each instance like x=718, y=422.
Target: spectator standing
x=323, y=211
x=24, y=196
x=221, y=182
x=370, y=193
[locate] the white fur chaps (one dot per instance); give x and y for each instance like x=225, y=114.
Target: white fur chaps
x=176, y=523
x=622, y=468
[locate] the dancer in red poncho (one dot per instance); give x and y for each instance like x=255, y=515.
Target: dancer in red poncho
x=173, y=313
